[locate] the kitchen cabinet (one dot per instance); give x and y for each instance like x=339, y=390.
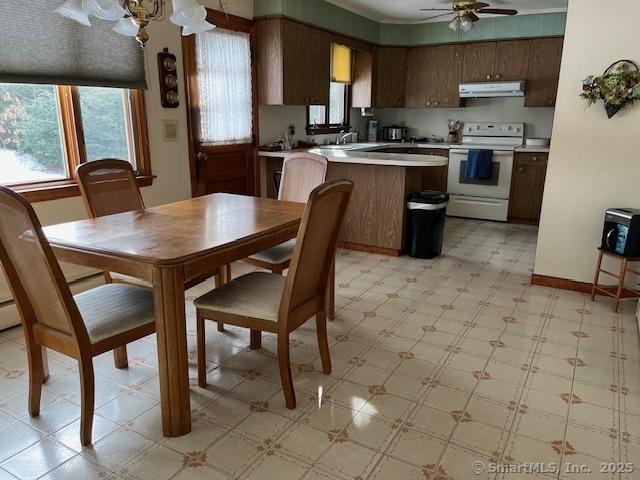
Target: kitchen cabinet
x=273, y=165
x=544, y=71
x=293, y=63
x=390, y=76
x=496, y=61
x=527, y=187
x=479, y=62
x=436, y=178
x=433, y=75
x=361, y=88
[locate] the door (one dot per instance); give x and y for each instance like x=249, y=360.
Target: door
x=223, y=106
x=420, y=89
x=390, y=77
x=446, y=77
x=307, y=60
x=544, y=72
x=479, y=62
x=527, y=186
x=512, y=60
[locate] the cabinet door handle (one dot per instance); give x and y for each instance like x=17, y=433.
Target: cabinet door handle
x=497, y=77
x=534, y=158
x=437, y=103
x=428, y=104
x=488, y=77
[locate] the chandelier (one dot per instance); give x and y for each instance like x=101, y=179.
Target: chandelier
x=133, y=16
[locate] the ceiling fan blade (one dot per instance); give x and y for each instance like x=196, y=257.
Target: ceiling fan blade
x=498, y=11
x=472, y=16
x=476, y=6
x=436, y=16
x=436, y=10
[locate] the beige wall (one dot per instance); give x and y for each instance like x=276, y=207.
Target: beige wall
x=169, y=160
x=594, y=162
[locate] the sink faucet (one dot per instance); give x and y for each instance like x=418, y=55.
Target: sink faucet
x=341, y=138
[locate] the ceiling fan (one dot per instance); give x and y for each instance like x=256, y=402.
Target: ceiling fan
x=465, y=12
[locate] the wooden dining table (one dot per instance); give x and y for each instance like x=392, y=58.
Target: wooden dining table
x=168, y=246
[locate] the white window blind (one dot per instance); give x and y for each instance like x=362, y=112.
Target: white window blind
x=224, y=84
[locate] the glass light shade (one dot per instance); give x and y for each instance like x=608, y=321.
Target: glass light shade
x=199, y=27
x=466, y=24
x=454, y=24
x=188, y=12
x=74, y=9
x=105, y=9
x=126, y=27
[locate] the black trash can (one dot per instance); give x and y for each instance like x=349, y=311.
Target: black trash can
x=425, y=223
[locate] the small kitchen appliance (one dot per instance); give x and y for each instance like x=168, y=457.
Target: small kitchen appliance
x=394, y=133
x=483, y=198
x=621, y=232
x=372, y=131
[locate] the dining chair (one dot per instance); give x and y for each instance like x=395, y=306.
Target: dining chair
x=269, y=302
x=81, y=326
x=301, y=173
x=108, y=187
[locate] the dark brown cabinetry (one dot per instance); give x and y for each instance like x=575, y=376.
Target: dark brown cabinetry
x=496, y=61
x=527, y=187
x=361, y=89
x=433, y=75
x=544, y=70
x=389, y=77
x=293, y=63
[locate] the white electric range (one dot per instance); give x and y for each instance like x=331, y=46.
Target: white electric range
x=486, y=199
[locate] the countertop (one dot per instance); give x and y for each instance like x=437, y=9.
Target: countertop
x=526, y=149
x=360, y=154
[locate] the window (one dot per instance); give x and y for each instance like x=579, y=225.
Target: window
x=224, y=85
x=47, y=131
x=333, y=117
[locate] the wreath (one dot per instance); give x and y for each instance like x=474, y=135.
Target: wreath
x=618, y=87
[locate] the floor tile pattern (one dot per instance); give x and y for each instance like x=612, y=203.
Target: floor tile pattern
x=437, y=364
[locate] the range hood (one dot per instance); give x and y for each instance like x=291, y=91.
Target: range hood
x=492, y=89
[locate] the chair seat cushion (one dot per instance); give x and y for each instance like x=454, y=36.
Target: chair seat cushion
x=111, y=309
x=256, y=295
x=278, y=254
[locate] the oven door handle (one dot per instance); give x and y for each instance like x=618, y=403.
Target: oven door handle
x=495, y=152
x=476, y=201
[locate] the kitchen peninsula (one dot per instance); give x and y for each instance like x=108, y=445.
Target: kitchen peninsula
x=383, y=176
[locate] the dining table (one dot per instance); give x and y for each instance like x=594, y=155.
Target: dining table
x=168, y=246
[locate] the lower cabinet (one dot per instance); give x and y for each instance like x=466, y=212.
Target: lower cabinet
x=273, y=166
x=527, y=187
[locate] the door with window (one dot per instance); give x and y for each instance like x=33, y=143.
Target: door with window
x=223, y=107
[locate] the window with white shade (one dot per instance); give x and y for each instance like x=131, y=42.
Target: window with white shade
x=224, y=85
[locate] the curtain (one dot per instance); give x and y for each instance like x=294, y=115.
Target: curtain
x=223, y=61
x=40, y=46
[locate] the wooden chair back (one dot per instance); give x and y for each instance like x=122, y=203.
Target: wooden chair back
x=301, y=173
x=108, y=187
x=308, y=274
x=36, y=280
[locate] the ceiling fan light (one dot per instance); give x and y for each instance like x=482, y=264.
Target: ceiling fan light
x=466, y=24
x=74, y=10
x=105, y=9
x=199, y=27
x=454, y=24
x=126, y=27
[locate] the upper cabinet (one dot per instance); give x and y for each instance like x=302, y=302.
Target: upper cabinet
x=293, y=63
x=496, y=61
x=362, y=83
x=544, y=71
x=479, y=62
x=433, y=76
x=389, y=77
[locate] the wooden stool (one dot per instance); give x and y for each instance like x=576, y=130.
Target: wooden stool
x=620, y=293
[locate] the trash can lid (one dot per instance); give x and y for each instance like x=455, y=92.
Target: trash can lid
x=429, y=196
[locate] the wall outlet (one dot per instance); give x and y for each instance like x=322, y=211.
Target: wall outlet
x=292, y=129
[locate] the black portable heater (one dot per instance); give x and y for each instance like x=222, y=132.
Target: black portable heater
x=621, y=233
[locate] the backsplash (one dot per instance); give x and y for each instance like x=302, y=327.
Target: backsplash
x=422, y=122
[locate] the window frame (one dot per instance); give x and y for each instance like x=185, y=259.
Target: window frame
x=74, y=151
x=327, y=127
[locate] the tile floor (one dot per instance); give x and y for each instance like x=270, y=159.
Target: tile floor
x=436, y=365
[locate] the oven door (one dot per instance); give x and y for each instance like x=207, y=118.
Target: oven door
x=498, y=186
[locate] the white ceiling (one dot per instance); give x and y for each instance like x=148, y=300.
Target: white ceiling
x=408, y=11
